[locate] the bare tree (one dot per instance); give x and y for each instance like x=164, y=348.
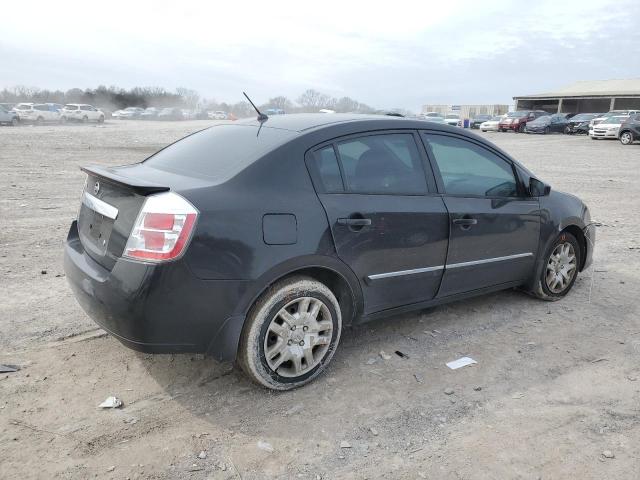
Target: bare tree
x=189, y=97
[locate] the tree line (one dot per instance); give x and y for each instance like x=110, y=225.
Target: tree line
x=114, y=98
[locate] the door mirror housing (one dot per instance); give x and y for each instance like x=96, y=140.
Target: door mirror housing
x=538, y=188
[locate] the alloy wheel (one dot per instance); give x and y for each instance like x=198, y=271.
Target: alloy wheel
x=626, y=138
x=561, y=268
x=298, y=337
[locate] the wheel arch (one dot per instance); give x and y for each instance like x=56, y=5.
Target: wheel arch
x=329, y=270
x=577, y=232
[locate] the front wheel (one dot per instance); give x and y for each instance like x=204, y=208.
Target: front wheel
x=626, y=138
x=547, y=130
x=39, y=121
x=290, y=334
x=101, y=119
x=560, y=270
x=15, y=122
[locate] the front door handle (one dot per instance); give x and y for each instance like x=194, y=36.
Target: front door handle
x=355, y=222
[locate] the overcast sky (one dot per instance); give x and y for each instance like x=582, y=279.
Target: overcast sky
x=399, y=55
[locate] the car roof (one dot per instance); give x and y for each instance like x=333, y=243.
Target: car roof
x=304, y=122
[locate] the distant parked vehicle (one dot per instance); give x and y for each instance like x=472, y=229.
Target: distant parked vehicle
x=38, y=113
x=170, y=114
x=150, y=113
x=130, y=113
x=608, y=128
x=630, y=130
x=605, y=116
x=547, y=124
x=8, y=117
x=478, y=120
x=431, y=115
x=492, y=124
x=579, y=124
x=433, y=119
x=220, y=115
x=7, y=106
x=275, y=111
x=518, y=120
x=81, y=112
x=452, y=119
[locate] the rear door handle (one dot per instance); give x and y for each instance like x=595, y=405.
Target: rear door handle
x=465, y=222
x=355, y=222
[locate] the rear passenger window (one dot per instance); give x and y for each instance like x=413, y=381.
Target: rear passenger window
x=468, y=169
x=382, y=164
x=327, y=166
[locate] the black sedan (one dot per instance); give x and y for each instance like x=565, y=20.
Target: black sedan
x=260, y=240
x=478, y=120
x=579, y=124
x=548, y=124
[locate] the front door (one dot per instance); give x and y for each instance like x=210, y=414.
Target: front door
x=386, y=225
x=495, y=227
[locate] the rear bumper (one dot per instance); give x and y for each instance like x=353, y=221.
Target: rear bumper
x=509, y=126
x=156, y=308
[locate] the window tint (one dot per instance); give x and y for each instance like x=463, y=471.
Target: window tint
x=42, y=108
x=328, y=170
x=468, y=169
x=387, y=164
x=85, y=107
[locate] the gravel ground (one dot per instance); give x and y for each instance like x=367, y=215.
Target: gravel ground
x=555, y=393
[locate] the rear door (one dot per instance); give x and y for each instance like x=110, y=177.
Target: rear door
x=494, y=226
x=387, y=221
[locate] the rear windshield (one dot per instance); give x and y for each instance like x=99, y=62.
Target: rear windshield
x=220, y=152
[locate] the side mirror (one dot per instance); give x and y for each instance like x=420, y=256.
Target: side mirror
x=538, y=188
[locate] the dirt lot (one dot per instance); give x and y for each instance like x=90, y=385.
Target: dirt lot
x=556, y=384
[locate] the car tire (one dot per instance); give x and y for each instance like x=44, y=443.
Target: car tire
x=101, y=119
x=15, y=122
x=283, y=345
x=547, y=130
x=484, y=131
x=564, y=255
x=85, y=119
x=626, y=138
x=39, y=121
x=522, y=127
x=62, y=120
x=567, y=131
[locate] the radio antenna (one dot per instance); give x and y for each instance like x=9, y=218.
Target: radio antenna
x=261, y=116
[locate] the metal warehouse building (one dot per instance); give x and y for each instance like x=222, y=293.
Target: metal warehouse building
x=466, y=111
x=585, y=96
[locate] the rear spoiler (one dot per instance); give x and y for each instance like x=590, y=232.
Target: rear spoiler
x=137, y=185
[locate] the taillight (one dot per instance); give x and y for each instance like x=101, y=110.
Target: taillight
x=163, y=228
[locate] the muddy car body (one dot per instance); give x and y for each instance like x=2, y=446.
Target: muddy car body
x=244, y=239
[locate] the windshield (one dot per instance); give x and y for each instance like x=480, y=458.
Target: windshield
x=583, y=117
x=516, y=114
x=616, y=119
x=219, y=152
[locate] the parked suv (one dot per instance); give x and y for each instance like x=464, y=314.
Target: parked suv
x=608, y=128
x=8, y=117
x=517, y=121
x=630, y=130
x=37, y=113
x=261, y=239
x=81, y=112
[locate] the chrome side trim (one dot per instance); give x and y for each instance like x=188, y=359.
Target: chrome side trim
x=489, y=260
x=400, y=273
x=97, y=205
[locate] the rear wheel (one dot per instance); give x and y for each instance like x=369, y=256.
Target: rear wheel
x=560, y=269
x=39, y=121
x=85, y=119
x=626, y=138
x=15, y=122
x=567, y=131
x=291, y=334
x=521, y=127
x=547, y=130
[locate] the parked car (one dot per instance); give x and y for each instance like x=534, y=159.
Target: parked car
x=197, y=249
x=613, y=113
x=434, y=119
x=37, y=113
x=491, y=125
x=170, y=114
x=8, y=117
x=7, y=106
x=517, y=121
x=608, y=128
x=81, y=112
x=579, y=124
x=131, y=113
x=150, y=113
x=629, y=131
x=452, y=119
x=220, y=115
x=547, y=124
x=478, y=120
x=431, y=115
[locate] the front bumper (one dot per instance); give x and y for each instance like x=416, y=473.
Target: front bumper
x=509, y=126
x=602, y=133
x=156, y=308
x=590, y=234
